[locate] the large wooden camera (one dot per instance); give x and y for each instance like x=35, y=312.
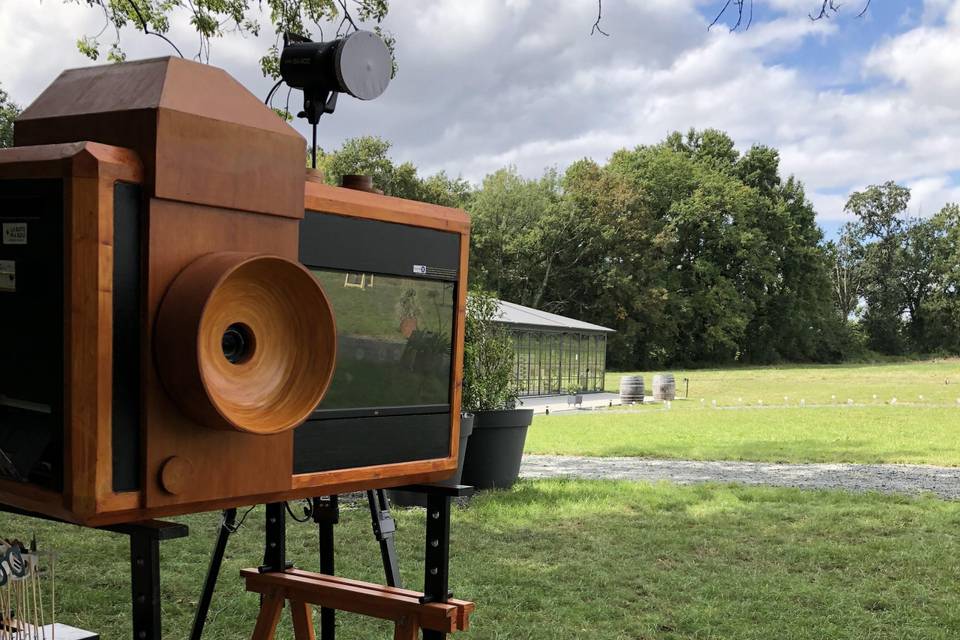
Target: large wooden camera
x=188, y=324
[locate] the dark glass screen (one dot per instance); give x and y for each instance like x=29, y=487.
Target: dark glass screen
x=394, y=338
x=31, y=323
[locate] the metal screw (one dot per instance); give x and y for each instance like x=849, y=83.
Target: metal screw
x=433, y=571
x=434, y=543
x=435, y=515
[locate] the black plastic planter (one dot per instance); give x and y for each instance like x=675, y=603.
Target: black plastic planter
x=496, y=448
x=411, y=499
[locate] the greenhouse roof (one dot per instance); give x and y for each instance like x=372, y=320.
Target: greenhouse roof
x=515, y=314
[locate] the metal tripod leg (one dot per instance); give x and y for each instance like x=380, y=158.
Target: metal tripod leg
x=213, y=572
x=384, y=529
x=326, y=513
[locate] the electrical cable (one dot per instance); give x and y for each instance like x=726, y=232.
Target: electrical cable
x=272, y=91
x=239, y=523
x=307, y=511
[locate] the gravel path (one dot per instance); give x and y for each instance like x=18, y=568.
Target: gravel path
x=885, y=478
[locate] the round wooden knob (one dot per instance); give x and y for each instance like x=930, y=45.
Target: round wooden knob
x=246, y=342
x=176, y=475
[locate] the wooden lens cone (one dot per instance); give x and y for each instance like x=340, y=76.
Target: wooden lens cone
x=246, y=342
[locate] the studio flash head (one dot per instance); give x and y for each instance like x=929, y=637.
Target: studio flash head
x=359, y=64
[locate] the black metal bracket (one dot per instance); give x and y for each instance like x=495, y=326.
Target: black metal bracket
x=326, y=514
x=275, y=548
x=145, y=539
x=384, y=530
x=436, y=568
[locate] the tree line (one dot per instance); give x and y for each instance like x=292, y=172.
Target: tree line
x=697, y=254
x=694, y=253
x=897, y=277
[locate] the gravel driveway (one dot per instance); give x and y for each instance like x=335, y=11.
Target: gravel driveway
x=885, y=478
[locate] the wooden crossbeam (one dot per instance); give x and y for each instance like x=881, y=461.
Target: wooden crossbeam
x=305, y=588
x=464, y=608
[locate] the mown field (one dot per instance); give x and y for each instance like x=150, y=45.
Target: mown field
x=922, y=382
x=898, y=413
x=617, y=560
x=597, y=560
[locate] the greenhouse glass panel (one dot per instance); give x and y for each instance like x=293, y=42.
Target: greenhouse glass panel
x=533, y=366
x=564, y=354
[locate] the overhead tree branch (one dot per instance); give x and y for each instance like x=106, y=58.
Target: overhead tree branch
x=826, y=8
x=146, y=28
x=596, y=23
x=720, y=15
x=744, y=9
x=741, y=13
x=347, y=18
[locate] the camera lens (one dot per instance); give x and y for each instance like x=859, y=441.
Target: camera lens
x=237, y=343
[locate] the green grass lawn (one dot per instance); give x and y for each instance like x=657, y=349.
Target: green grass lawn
x=758, y=417
x=938, y=381
x=860, y=434
x=579, y=559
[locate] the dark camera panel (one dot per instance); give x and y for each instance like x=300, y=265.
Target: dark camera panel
x=127, y=268
x=323, y=445
x=371, y=246
x=32, y=327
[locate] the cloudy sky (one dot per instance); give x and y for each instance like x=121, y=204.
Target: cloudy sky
x=488, y=83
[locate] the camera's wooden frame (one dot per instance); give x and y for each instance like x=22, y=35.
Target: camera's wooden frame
x=205, y=205
x=89, y=171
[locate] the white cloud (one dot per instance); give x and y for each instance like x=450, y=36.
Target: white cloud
x=492, y=82
x=923, y=60
x=929, y=194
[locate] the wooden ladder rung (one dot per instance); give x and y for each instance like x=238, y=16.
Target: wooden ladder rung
x=304, y=588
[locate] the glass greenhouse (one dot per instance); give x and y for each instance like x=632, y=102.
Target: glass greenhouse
x=555, y=354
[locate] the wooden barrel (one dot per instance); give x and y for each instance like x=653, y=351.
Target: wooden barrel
x=664, y=387
x=631, y=390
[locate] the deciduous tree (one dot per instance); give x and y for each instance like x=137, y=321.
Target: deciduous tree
x=879, y=212
x=8, y=113
x=370, y=155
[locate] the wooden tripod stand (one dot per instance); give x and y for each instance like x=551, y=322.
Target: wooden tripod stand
x=303, y=589
x=434, y=611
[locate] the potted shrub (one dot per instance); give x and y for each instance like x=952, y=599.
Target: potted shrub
x=574, y=397
x=489, y=392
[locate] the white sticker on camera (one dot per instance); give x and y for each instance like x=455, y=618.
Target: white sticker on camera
x=8, y=275
x=14, y=233
x=420, y=269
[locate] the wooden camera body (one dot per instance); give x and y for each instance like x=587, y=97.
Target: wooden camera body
x=176, y=298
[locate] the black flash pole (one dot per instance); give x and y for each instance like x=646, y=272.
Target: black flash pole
x=359, y=64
